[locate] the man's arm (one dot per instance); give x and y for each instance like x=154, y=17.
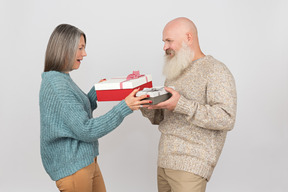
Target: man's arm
x=218, y=113
x=155, y=116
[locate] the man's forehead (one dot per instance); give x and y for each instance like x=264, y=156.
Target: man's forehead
x=169, y=33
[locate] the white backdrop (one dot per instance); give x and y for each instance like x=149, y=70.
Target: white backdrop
x=249, y=36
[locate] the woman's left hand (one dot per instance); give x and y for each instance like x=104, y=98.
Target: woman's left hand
x=133, y=102
x=102, y=80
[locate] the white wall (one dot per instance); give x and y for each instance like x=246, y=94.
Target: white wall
x=249, y=36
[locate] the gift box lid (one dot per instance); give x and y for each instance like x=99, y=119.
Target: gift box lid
x=153, y=92
x=157, y=94
x=122, y=83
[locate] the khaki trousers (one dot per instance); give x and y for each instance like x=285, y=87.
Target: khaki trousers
x=87, y=179
x=179, y=181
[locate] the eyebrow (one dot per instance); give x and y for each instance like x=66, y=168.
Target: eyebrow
x=167, y=39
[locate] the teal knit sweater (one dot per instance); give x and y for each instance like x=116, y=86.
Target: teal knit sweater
x=69, y=133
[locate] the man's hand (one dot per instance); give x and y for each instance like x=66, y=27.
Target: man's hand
x=169, y=104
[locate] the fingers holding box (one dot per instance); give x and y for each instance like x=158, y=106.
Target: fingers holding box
x=134, y=103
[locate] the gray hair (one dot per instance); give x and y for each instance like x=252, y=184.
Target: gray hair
x=62, y=47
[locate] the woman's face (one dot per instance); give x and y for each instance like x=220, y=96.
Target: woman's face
x=80, y=53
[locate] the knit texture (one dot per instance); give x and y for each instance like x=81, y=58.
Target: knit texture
x=193, y=135
x=69, y=133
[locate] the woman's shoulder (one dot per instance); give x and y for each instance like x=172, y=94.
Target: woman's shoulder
x=56, y=80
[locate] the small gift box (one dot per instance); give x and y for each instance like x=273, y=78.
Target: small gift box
x=157, y=94
x=116, y=89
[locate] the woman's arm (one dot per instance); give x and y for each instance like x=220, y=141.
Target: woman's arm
x=90, y=129
x=93, y=98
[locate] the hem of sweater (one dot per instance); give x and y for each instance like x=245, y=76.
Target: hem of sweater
x=186, y=163
x=71, y=169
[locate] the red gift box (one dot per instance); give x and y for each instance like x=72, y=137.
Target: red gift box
x=117, y=89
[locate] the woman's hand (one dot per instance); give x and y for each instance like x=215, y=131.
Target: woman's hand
x=133, y=102
x=102, y=80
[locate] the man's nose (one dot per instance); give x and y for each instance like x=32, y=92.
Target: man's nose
x=165, y=47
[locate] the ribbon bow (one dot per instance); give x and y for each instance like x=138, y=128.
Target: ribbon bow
x=134, y=75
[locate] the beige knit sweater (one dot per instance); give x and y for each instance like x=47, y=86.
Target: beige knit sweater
x=193, y=135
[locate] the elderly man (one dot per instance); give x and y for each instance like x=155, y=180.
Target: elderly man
x=195, y=120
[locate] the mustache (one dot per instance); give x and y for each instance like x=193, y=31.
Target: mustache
x=170, y=52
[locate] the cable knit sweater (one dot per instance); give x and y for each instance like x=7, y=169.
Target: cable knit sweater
x=193, y=134
x=69, y=133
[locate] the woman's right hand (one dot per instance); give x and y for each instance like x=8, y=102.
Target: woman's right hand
x=133, y=102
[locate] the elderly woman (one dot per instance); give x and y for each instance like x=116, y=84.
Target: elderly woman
x=69, y=133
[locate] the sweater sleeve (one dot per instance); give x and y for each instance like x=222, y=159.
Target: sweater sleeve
x=90, y=129
x=93, y=98
x=219, y=111
x=154, y=115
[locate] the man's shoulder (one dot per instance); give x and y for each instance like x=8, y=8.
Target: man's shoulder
x=206, y=65
x=218, y=68
x=215, y=64
x=210, y=61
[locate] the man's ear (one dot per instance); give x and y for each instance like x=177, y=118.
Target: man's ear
x=189, y=38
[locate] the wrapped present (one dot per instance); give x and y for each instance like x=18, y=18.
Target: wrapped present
x=157, y=94
x=116, y=89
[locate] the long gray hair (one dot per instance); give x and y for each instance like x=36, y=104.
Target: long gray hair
x=62, y=47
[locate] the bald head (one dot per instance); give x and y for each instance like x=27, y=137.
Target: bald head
x=178, y=31
x=183, y=25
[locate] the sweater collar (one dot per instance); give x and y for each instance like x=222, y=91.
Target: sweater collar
x=201, y=59
x=55, y=73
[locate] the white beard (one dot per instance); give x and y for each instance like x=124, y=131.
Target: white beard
x=174, y=66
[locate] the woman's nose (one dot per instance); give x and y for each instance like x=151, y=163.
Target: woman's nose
x=84, y=54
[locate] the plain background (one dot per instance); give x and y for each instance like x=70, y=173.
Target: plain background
x=249, y=36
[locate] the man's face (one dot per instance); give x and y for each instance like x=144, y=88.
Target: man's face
x=174, y=65
x=178, y=55
x=172, y=39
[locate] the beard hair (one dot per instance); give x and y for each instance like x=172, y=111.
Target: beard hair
x=174, y=66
